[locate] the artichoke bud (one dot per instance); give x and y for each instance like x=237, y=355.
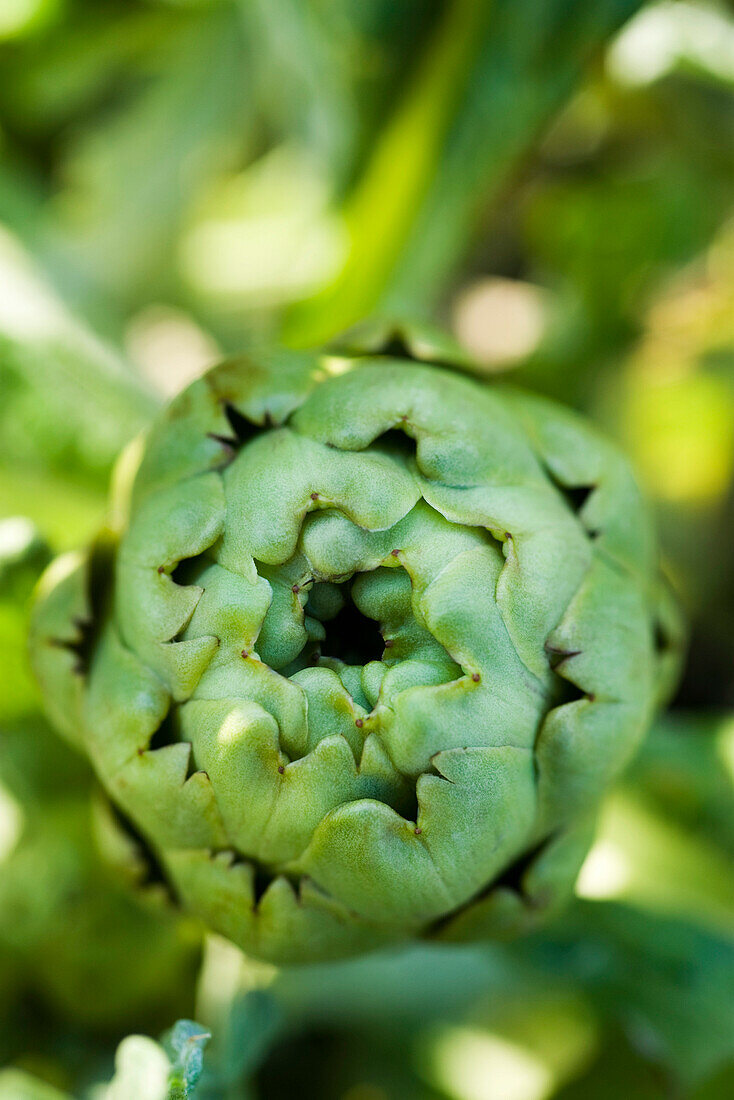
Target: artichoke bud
x=371, y=641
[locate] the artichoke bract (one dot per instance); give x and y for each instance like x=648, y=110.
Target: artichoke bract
x=370, y=640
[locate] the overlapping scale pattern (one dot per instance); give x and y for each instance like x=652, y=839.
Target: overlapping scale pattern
x=372, y=642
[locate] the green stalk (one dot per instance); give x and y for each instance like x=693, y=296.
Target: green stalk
x=380, y=212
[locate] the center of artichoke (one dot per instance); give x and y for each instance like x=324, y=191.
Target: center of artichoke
x=350, y=635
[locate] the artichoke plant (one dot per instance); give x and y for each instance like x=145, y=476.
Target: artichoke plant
x=364, y=644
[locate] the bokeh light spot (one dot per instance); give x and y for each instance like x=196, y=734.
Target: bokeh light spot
x=500, y=321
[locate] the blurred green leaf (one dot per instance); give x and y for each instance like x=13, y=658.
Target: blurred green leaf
x=651, y=860
x=246, y=1033
x=492, y=78
x=142, y=1070
x=17, y=1085
x=133, y=173
x=686, y=769
x=668, y=983
x=379, y=211
x=68, y=399
x=185, y=1046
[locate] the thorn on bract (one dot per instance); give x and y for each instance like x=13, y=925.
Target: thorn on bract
x=556, y=657
x=394, y=553
x=417, y=831
x=245, y=654
x=314, y=496
x=281, y=769
x=476, y=677
x=296, y=588
x=359, y=722
x=228, y=444
x=161, y=569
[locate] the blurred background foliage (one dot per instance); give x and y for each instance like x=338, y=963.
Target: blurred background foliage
x=550, y=182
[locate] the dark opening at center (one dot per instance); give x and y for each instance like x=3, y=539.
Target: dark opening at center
x=350, y=635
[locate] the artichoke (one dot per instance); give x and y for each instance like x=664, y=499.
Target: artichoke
x=365, y=643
